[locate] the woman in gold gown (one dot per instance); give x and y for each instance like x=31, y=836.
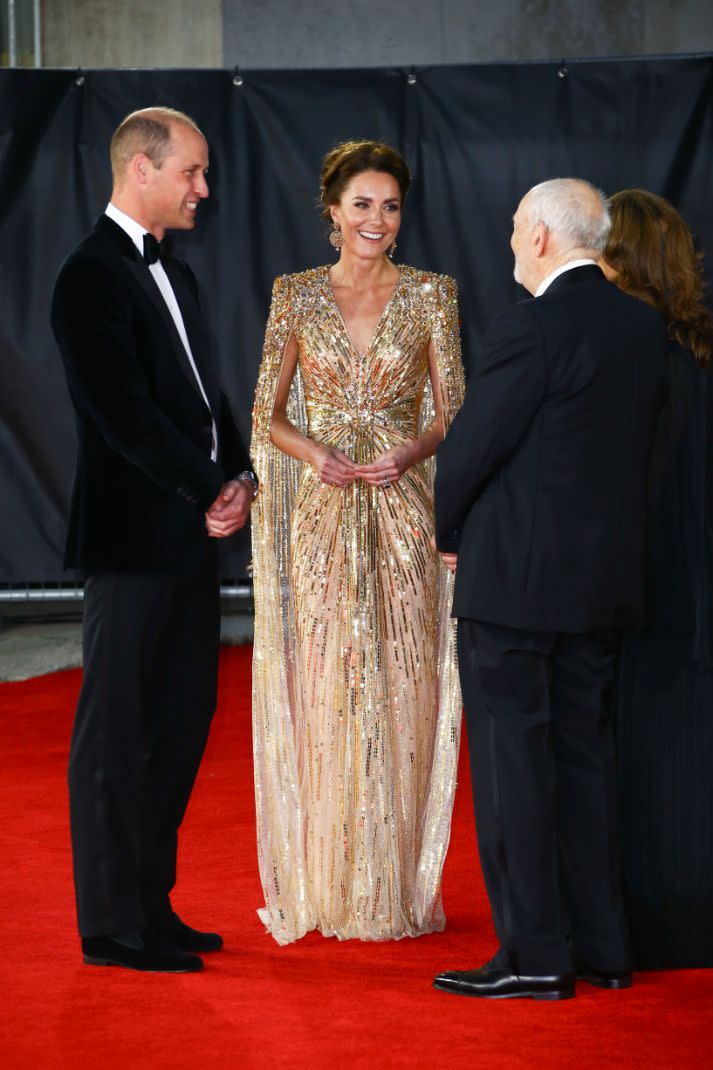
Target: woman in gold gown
x=356, y=705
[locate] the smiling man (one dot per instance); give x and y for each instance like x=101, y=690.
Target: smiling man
x=161, y=473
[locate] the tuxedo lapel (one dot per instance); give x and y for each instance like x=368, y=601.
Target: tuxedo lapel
x=146, y=281
x=197, y=332
x=111, y=232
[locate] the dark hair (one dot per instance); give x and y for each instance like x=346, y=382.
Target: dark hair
x=651, y=248
x=351, y=158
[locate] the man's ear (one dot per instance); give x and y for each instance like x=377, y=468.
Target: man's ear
x=540, y=239
x=141, y=166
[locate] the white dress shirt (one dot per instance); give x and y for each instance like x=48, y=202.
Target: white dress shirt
x=136, y=233
x=560, y=271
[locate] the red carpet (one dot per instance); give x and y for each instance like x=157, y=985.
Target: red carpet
x=316, y=1003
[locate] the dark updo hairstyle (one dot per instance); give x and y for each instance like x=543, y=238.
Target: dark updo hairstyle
x=351, y=158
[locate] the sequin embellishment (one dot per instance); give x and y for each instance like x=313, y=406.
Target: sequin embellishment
x=356, y=705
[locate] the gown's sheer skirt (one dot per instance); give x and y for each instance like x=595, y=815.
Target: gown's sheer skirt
x=356, y=705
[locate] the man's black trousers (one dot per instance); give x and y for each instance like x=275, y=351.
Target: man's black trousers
x=148, y=695
x=542, y=762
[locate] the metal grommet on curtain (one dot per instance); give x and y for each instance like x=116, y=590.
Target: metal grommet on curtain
x=79, y=78
x=562, y=71
x=411, y=78
x=237, y=77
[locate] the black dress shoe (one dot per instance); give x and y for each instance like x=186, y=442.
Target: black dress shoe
x=187, y=939
x=494, y=982
x=602, y=978
x=103, y=951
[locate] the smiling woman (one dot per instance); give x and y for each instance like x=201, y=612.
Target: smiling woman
x=353, y=160
x=356, y=698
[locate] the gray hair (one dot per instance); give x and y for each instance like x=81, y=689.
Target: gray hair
x=574, y=210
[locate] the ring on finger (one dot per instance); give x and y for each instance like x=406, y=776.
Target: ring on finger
x=386, y=483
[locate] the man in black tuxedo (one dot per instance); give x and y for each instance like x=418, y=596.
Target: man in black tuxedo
x=540, y=503
x=161, y=473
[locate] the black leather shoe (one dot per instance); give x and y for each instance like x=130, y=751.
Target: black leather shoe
x=604, y=979
x=187, y=939
x=103, y=951
x=493, y=982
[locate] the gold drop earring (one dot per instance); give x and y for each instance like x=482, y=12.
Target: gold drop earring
x=336, y=238
x=392, y=250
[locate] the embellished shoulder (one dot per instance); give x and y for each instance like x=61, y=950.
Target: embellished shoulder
x=296, y=293
x=438, y=291
x=304, y=280
x=421, y=277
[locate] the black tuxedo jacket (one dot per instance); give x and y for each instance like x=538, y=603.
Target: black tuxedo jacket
x=541, y=480
x=144, y=473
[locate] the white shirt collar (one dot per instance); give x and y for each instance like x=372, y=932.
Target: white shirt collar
x=133, y=229
x=560, y=271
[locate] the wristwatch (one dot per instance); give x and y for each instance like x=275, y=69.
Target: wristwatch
x=249, y=477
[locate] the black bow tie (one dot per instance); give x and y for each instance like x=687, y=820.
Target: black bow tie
x=152, y=249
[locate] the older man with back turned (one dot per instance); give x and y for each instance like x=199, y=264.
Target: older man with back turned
x=540, y=499
x=161, y=473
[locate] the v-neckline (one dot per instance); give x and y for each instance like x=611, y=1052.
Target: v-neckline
x=382, y=317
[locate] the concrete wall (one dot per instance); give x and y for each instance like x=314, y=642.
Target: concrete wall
x=329, y=33
x=363, y=33
x=132, y=33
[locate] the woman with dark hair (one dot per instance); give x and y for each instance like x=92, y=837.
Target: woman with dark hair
x=356, y=704
x=664, y=698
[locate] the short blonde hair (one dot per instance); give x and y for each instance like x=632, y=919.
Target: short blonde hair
x=147, y=131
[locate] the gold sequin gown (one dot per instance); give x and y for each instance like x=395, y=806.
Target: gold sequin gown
x=356, y=704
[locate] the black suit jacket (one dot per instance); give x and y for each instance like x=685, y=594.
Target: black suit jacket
x=541, y=480
x=144, y=473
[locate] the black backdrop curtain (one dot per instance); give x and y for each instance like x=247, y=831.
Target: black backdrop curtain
x=475, y=137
